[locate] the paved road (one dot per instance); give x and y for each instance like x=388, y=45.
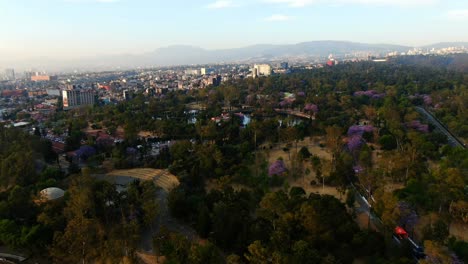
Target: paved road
x=453, y=141
x=365, y=207
x=8, y=258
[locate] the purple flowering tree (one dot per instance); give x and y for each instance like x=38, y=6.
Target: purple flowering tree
x=104, y=141
x=418, y=126
x=427, y=99
x=283, y=103
x=84, y=152
x=277, y=168
x=355, y=142
x=356, y=139
x=370, y=93
x=360, y=130
x=311, y=108
x=408, y=216
x=131, y=151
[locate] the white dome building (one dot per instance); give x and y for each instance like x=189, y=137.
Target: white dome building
x=51, y=193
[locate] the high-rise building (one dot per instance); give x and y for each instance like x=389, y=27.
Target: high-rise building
x=27, y=75
x=217, y=80
x=125, y=94
x=192, y=72
x=254, y=73
x=263, y=69
x=205, y=71
x=73, y=98
x=10, y=75
x=284, y=65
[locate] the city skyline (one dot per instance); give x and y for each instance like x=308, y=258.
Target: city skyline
x=71, y=29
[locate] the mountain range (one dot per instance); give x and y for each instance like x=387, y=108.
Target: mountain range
x=188, y=55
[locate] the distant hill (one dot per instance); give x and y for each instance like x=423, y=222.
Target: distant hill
x=192, y=55
x=187, y=55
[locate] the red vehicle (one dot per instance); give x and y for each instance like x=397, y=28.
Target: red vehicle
x=400, y=234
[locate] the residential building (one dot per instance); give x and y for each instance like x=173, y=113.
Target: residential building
x=192, y=72
x=73, y=98
x=254, y=73
x=43, y=78
x=126, y=95
x=205, y=71
x=263, y=69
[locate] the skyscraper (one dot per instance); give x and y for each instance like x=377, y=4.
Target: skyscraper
x=10, y=75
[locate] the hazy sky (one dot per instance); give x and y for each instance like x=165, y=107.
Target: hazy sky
x=74, y=28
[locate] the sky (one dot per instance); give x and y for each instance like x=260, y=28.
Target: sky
x=69, y=29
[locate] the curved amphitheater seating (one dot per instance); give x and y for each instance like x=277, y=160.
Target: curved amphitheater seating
x=161, y=178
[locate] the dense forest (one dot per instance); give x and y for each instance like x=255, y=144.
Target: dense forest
x=244, y=207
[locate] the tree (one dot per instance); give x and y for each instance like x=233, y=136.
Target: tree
x=257, y=254
x=150, y=205
x=208, y=253
x=436, y=253
x=459, y=210
x=303, y=253
x=277, y=168
x=272, y=206
x=230, y=94
x=9, y=233
x=387, y=207
x=83, y=235
x=20, y=204
x=304, y=153
x=17, y=169
x=450, y=187
x=203, y=222
x=387, y=142
x=333, y=139
x=131, y=132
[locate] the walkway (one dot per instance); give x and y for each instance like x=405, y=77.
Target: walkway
x=453, y=141
x=294, y=113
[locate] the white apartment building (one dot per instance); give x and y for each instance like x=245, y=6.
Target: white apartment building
x=76, y=98
x=261, y=69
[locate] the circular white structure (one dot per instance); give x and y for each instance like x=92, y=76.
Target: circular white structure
x=51, y=193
